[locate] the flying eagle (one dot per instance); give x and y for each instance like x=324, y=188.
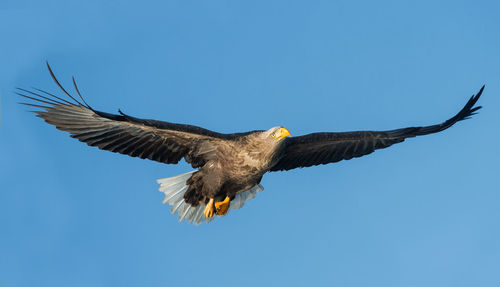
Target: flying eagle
x=228, y=167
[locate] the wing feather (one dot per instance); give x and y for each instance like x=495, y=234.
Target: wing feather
x=155, y=140
x=324, y=148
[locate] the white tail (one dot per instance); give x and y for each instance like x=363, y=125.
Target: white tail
x=175, y=187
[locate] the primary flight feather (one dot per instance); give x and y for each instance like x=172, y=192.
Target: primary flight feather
x=229, y=167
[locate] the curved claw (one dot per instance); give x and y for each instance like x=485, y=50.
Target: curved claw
x=209, y=209
x=222, y=206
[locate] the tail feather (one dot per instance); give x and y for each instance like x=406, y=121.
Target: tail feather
x=240, y=198
x=184, y=211
x=175, y=195
x=175, y=187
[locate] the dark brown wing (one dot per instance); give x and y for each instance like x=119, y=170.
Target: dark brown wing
x=324, y=148
x=155, y=140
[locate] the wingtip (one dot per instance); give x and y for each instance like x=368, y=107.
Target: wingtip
x=60, y=86
x=480, y=92
x=78, y=92
x=48, y=67
x=470, y=109
x=475, y=98
x=476, y=108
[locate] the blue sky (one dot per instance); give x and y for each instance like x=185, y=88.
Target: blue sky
x=422, y=213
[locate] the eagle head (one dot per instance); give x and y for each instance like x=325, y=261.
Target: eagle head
x=277, y=133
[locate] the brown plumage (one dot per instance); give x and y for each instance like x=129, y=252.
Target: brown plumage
x=229, y=165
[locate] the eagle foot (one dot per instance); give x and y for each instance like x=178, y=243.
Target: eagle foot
x=209, y=209
x=222, y=206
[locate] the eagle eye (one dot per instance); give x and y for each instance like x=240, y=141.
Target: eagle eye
x=273, y=134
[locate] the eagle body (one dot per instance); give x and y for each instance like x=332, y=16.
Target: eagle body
x=235, y=166
x=228, y=168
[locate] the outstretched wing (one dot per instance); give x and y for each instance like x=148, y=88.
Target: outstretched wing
x=324, y=148
x=155, y=140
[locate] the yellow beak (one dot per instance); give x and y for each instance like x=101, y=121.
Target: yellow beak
x=283, y=133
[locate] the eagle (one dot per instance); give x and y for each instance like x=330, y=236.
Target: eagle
x=228, y=168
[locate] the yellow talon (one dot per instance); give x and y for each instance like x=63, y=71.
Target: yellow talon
x=209, y=209
x=222, y=206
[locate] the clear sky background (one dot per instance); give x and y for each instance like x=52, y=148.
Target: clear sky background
x=422, y=213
